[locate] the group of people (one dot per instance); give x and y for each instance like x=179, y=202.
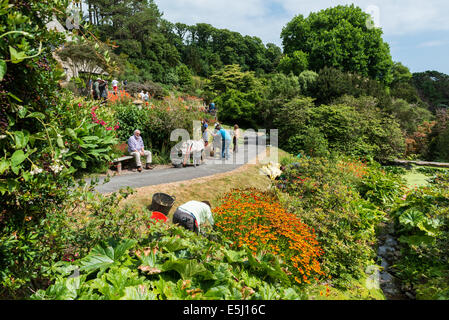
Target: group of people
x=192, y=214
x=100, y=88
x=220, y=134
x=144, y=96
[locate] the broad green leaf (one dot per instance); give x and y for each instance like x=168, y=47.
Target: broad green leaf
x=71, y=133
x=60, y=142
x=411, y=218
x=3, y=187
x=105, y=255
x=234, y=256
x=90, y=138
x=173, y=244
x=21, y=139
x=22, y=112
x=12, y=185
x=219, y=292
x=149, y=263
x=17, y=158
x=4, y=165
x=141, y=292
x=186, y=268
x=37, y=115
x=16, y=56
x=416, y=240
x=2, y=69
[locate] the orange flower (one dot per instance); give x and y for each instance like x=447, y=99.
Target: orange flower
x=257, y=219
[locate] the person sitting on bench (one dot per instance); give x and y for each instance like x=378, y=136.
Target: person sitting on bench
x=191, y=215
x=136, y=149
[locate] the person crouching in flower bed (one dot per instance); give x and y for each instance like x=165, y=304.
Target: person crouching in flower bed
x=192, y=214
x=136, y=149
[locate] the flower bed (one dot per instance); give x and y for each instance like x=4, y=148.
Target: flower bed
x=256, y=219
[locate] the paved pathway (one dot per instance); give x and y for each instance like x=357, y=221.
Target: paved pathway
x=211, y=167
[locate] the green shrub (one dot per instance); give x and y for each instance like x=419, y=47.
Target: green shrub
x=422, y=226
x=380, y=187
x=322, y=193
x=172, y=263
x=156, y=122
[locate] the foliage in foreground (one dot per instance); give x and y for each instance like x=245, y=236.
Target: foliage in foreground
x=171, y=264
x=422, y=225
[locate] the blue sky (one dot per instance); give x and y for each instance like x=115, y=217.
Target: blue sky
x=417, y=31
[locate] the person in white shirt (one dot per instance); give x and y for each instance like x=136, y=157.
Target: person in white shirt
x=115, y=86
x=236, y=138
x=141, y=95
x=191, y=215
x=146, y=96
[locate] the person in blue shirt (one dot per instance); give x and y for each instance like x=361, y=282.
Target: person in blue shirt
x=225, y=142
x=211, y=107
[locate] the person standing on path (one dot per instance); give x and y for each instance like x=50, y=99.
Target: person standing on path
x=236, y=138
x=225, y=142
x=104, y=90
x=115, y=86
x=206, y=135
x=136, y=149
x=96, y=89
x=191, y=215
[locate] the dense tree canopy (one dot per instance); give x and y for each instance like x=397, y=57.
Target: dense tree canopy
x=339, y=37
x=433, y=87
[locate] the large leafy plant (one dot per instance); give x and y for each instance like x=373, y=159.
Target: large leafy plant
x=172, y=263
x=37, y=158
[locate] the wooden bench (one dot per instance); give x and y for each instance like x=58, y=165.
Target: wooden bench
x=119, y=162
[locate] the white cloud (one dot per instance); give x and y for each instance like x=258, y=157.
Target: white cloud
x=248, y=17
x=396, y=17
x=259, y=17
x=434, y=43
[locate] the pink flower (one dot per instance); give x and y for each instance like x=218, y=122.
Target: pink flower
x=79, y=105
x=108, y=128
x=102, y=123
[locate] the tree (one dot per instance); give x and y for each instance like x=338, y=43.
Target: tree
x=433, y=88
x=296, y=63
x=238, y=95
x=339, y=37
x=333, y=83
x=82, y=57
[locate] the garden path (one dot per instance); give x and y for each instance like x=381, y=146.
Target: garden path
x=247, y=154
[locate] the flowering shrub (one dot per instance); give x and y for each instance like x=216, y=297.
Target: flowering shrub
x=89, y=144
x=156, y=120
x=118, y=97
x=323, y=194
x=256, y=219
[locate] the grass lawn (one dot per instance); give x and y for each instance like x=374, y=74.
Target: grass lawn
x=415, y=179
